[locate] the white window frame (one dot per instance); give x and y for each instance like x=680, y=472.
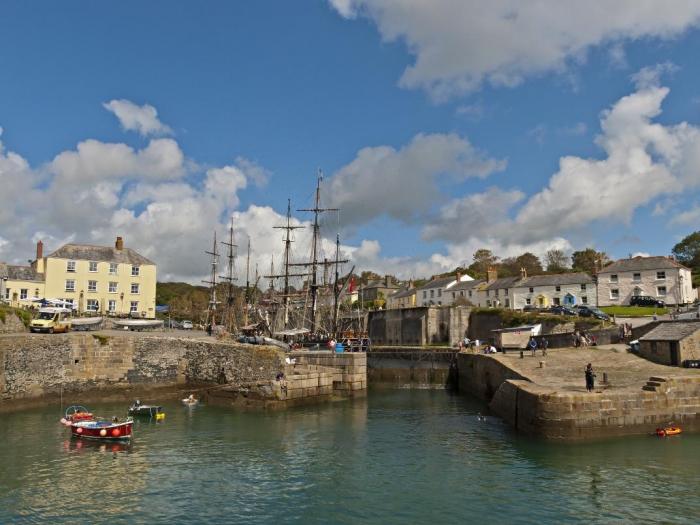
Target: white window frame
x=133, y=307
x=658, y=291
x=135, y=286
x=661, y=275
x=583, y=287
x=557, y=288
x=113, y=287
x=23, y=293
x=135, y=270
x=637, y=277
x=70, y=288
x=92, y=305
x=614, y=278
x=113, y=268
x=528, y=300
x=92, y=286
x=614, y=294
x=91, y=265
x=70, y=266
x=584, y=299
x=112, y=305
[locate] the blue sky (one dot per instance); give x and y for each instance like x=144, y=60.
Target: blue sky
x=439, y=126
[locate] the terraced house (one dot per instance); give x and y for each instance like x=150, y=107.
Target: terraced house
x=100, y=279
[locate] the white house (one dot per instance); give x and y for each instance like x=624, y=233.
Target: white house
x=434, y=292
x=659, y=277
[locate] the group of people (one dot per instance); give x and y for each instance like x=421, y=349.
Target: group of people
x=581, y=339
x=541, y=344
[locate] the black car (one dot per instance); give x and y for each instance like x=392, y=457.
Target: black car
x=558, y=309
x=587, y=311
x=645, y=300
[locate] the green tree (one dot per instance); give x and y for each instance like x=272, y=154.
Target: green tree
x=483, y=259
x=688, y=253
x=556, y=261
x=589, y=260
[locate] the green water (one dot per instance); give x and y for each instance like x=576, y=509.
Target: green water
x=398, y=456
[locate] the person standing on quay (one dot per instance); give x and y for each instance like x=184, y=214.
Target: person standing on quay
x=590, y=378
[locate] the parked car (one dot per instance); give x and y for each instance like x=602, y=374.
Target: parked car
x=186, y=325
x=646, y=300
x=172, y=323
x=558, y=309
x=529, y=308
x=587, y=311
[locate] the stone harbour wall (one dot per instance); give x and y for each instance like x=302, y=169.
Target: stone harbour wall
x=11, y=324
x=349, y=368
x=39, y=366
x=412, y=367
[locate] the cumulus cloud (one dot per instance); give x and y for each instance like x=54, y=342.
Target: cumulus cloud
x=132, y=117
x=403, y=183
x=687, y=218
x=459, y=45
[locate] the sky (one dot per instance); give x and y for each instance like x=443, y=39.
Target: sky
x=439, y=126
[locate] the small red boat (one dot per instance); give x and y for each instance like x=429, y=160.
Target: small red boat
x=84, y=424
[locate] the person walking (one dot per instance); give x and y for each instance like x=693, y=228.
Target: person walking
x=543, y=345
x=590, y=377
x=533, y=346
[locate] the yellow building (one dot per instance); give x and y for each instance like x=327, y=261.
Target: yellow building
x=101, y=279
x=20, y=284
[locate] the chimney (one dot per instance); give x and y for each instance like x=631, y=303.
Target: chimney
x=491, y=274
x=523, y=273
x=119, y=245
x=39, y=250
x=387, y=281
x=459, y=277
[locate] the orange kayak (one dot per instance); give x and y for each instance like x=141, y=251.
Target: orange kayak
x=668, y=431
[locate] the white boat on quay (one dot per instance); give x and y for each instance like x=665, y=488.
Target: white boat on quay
x=137, y=324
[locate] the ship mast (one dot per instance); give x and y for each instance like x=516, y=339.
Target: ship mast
x=211, y=309
x=247, y=286
x=230, y=278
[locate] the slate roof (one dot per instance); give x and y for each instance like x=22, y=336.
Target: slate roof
x=642, y=263
x=503, y=282
x=440, y=282
x=403, y=293
x=86, y=252
x=23, y=273
x=466, y=285
x=381, y=283
x=556, y=279
x=672, y=331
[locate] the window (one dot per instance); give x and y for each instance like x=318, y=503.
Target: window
x=112, y=287
x=470, y=293
x=134, y=271
x=636, y=277
x=556, y=301
x=134, y=287
x=432, y=293
x=134, y=307
x=454, y=295
x=92, y=286
x=23, y=293
x=496, y=294
x=583, y=287
x=113, y=268
x=528, y=300
x=507, y=303
x=532, y=290
x=70, y=285
x=614, y=294
x=70, y=266
x=661, y=291
x=7, y=293
x=425, y=294
x=461, y=293
x=613, y=277
x=660, y=275
x=488, y=293
x=92, y=305
x=70, y=302
x=92, y=266
x=439, y=292
x=557, y=288
x=584, y=299
x=112, y=305
x=439, y=303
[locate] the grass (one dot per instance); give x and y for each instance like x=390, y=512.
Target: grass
x=23, y=315
x=634, y=311
x=103, y=339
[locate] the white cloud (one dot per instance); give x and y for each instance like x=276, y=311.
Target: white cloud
x=132, y=117
x=461, y=44
x=687, y=218
x=650, y=76
x=403, y=183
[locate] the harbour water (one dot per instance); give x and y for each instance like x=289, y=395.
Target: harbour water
x=398, y=456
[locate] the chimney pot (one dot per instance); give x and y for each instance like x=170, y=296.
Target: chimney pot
x=39, y=250
x=491, y=274
x=523, y=273
x=119, y=245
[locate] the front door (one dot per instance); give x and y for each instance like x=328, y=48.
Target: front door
x=674, y=353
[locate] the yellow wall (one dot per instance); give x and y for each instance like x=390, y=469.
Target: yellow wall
x=57, y=274
x=34, y=289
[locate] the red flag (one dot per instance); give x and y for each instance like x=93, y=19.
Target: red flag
x=351, y=286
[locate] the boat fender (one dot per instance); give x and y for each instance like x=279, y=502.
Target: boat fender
x=79, y=430
x=103, y=432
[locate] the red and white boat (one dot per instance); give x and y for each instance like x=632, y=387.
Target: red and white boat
x=84, y=424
